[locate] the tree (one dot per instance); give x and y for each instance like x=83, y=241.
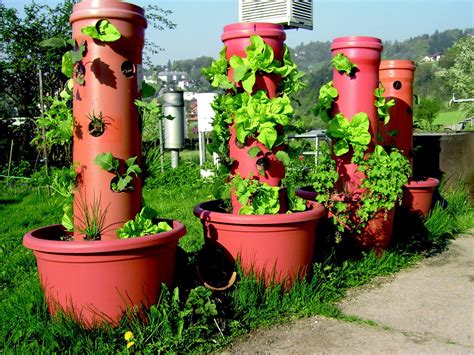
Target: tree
x=459, y=77
x=426, y=113
x=21, y=56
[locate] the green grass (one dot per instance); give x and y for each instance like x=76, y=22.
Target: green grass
x=179, y=323
x=447, y=118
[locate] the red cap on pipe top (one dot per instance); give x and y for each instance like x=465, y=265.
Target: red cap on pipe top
x=108, y=9
x=246, y=29
x=357, y=42
x=397, y=64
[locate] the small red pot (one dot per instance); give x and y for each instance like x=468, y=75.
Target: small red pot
x=418, y=195
x=99, y=281
x=376, y=235
x=277, y=248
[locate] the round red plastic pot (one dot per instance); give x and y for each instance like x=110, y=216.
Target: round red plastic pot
x=356, y=92
x=277, y=248
x=112, y=74
x=397, y=78
x=99, y=281
x=418, y=195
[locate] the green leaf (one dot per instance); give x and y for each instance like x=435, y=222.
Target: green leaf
x=253, y=152
x=54, y=42
x=338, y=126
x=267, y=136
x=240, y=72
x=103, y=31
x=283, y=157
x=342, y=64
x=107, y=162
x=67, y=64
x=123, y=183
x=147, y=90
x=248, y=83
x=132, y=167
x=360, y=120
x=341, y=147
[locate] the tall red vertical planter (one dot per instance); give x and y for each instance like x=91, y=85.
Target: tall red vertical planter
x=397, y=78
x=109, y=91
x=236, y=38
x=100, y=281
x=356, y=93
x=275, y=247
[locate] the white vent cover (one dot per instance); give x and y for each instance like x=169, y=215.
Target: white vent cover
x=289, y=13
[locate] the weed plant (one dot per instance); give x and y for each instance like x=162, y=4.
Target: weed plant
x=189, y=318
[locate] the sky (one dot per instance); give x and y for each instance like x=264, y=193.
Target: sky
x=200, y=22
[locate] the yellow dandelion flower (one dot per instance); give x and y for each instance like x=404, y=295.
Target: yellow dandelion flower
x=130, y=344
x=128, y=336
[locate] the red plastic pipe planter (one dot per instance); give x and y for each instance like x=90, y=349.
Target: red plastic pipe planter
x=356, y=93
x=236, y=38
x=397, y=78
x=112, y=81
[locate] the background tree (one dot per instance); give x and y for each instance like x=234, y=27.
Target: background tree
x=426, y=113
x=459, y=77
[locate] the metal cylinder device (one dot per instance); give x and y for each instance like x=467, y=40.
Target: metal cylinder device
x=173, y=105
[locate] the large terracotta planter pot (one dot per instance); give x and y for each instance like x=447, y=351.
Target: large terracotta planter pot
x=278, y=248
x=112, y=81
x=356, y=93
x=397, y=79
x=418, y=195
x=98, y=281
x=376, y=235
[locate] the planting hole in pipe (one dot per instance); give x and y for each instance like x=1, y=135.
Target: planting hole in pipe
x=239, y=144
x=397, y=85
x=128, y=69
x=263, y=163
x=97, y=125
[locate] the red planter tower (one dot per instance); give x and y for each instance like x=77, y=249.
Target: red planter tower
x=397, y=78
x=99, y=281
x=356, y=94
x=276, y=247
x=112, y=81
x=236, y=38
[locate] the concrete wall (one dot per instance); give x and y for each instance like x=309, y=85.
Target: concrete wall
x=449, y=156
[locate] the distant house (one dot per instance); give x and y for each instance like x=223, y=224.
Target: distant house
x=431, y=58
x=179, y=78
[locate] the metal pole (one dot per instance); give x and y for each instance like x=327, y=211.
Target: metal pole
x=174, y=158
x=162, y=156
x=10, y=161
x=43, y=130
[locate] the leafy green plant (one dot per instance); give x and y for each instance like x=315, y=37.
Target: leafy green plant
x=256, y=197
x=91, y=220
x=216, y=74
x=385, y=173
x=97, y=124
x=327, y=94
x=343, y=64
x=260, y=116
x=122, y=181
x=103, y=30
x=142, y=225
x=346, y=134
x=382, y=104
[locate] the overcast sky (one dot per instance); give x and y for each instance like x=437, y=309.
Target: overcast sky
x=200, y=22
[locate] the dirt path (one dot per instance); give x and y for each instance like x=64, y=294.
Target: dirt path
x=426, y=309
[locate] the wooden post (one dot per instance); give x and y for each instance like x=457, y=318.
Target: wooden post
x=10, y=161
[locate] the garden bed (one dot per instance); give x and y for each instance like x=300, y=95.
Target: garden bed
x=190, y=318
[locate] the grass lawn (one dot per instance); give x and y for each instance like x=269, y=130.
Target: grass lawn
x=184, y=320
x=447, y=118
